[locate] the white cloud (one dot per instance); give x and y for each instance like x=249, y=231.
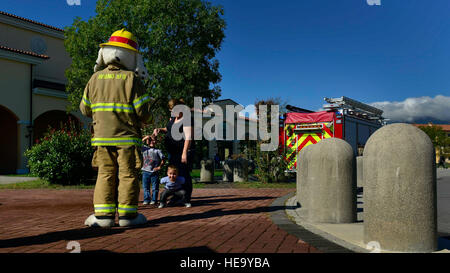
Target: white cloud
x=249, y=112
x=413, y=109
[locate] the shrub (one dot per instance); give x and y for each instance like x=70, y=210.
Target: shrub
x=62, y=156
x=270, y=166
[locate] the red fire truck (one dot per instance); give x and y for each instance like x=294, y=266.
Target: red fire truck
x=342, y=117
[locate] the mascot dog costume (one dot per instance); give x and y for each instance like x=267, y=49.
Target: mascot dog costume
x=115, y=99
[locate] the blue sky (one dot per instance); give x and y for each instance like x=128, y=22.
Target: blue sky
x=396, y=54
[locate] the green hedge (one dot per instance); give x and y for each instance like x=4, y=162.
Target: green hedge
x=62, y=157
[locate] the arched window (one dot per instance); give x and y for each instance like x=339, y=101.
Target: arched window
x=55, y=119
x=8, y=141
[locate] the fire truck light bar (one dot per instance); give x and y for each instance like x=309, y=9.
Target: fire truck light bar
x=309, y=127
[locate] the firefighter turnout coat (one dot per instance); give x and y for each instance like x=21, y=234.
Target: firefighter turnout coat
x=115, y=99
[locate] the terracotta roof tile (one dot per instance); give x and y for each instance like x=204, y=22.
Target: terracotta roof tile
x=30, y=21
x=29, y=53
x=445, y=127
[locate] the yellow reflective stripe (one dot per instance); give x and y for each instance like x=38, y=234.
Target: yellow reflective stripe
x=105, y=208
x=86, y=101
x=112, y=107
x=116, y=144
x=115, y=141
x=111, y=104
x=141, y=100
x=127, y=209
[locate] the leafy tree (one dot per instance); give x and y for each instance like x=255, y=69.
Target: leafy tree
x=270, y=165
x=439, y=138
x=436, y=134
x=177, y=38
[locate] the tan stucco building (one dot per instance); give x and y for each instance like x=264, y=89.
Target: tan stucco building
x=33, y=61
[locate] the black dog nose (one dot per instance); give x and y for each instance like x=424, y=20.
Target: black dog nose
x=118, y=59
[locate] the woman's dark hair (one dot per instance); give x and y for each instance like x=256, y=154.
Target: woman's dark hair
x=174, y=102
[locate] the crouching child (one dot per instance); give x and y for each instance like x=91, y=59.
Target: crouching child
x=172, y=186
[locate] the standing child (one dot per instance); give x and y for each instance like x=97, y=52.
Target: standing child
x=153, y=161
x=173, y=185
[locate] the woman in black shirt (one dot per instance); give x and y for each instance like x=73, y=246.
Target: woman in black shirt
x=180, y=152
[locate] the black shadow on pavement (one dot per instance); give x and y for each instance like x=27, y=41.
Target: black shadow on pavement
x=202, y=202
x=211, y=202
x=69, y=235
x=208, y=197
x=215, y=213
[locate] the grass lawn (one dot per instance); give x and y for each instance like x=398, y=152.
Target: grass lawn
x=196, y=173
x=260, y=185
x=42, y=184
x=20, y=175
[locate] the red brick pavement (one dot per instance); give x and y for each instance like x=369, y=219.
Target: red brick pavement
x=220, y=220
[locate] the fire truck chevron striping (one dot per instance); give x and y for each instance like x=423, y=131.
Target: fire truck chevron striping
x=299, y=137
x=344, y=118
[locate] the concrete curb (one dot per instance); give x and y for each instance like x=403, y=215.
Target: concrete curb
x=319, y=241
x=290, y=221
x=292, y=213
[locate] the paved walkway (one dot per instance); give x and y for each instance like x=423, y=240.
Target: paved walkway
x=443, y=201
x=4, y=179
x=220, y=220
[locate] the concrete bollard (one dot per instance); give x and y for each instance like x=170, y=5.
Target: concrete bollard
x=400, y=210
x=302, y=176
x=359, y=172
x=240, y=171
x=228, y=168
x=207, y=170
x=330, y=195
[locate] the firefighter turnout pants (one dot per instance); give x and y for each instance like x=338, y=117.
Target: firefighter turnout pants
x=117, y=186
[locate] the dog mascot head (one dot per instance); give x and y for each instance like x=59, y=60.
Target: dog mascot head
x=122, y=48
